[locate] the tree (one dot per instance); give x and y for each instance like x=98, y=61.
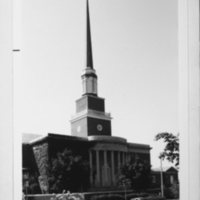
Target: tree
x=135, y=174
x=68, y=172
x=171, y=149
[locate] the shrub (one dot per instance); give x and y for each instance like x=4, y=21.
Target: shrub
x=68, y=196
x=135, y=195
x=135, y=175
x=68, y=171
x=149, y=198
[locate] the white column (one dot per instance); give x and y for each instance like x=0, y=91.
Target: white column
x=123, y=158
x=112, y=168
x=97, y=168
x=105, y=166
x=119, y=161
x=128, y=157
x=91, y=168
x=189, y=92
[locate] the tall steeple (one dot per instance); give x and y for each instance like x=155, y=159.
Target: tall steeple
x=89, y=77
x=90, y=118
x=89, y=59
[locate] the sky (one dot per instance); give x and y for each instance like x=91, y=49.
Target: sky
x=135, y=55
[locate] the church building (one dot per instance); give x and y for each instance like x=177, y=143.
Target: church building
x=91, y=137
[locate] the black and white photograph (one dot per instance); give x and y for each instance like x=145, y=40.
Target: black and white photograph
x=100, y=93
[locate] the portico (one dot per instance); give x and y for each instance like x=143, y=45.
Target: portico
x=106, y=158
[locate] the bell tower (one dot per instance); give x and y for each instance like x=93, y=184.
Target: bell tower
x=90, y=118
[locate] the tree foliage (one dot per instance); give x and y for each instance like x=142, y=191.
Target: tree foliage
x=171, y=149
x=68, y=172
x=135, y=174
x=33, y=186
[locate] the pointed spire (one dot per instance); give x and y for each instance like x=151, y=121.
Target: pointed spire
x=89, y=77
x=89, y=60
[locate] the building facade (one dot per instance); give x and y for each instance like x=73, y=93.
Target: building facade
x=170, y=177
x=91, y=137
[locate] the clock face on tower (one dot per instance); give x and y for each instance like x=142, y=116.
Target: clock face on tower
x=89, y=126
x=99, y=127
